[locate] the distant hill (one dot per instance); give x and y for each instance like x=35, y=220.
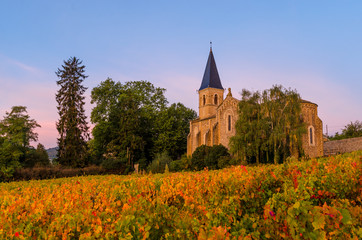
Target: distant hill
x=52, y=152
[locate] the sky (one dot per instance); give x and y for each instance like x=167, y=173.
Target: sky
x=314, y=47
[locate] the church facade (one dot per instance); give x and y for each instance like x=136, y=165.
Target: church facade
x=218, y=115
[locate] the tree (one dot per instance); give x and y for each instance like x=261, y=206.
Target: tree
x=72, y=124
x=18, y=127
x=16, y=133
x=124, y=118
x=42, y=155
x=36, y=157
x=9, y=159
x=251, y=127
x=269, y=126
x=172, y=126
x=351, y=130
x=133, y=123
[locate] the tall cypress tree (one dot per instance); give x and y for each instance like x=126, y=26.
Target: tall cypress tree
x=72, y=124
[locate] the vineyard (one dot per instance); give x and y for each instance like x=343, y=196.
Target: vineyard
x=314, y=199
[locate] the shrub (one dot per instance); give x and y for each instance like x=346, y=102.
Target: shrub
x=176, y=166
x=113, y=163
x=206, y=156
x=186, y=162
x=198, y=157
x=50, y=172
x=217, y=152
x=224, y=161
x=159, y=163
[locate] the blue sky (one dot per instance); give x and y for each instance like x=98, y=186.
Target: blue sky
x=314, y=47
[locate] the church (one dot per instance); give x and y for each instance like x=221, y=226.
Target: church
x=218, y=115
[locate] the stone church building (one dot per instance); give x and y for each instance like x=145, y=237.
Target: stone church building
x=218, y=115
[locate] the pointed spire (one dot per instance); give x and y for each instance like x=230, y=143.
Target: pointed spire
x=211, y=76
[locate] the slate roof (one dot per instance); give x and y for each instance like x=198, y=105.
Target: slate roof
x=211, y=76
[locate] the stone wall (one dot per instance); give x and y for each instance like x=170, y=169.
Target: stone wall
x=342, y=146
x=312, y=144
x=228, y=108
x=207, y=103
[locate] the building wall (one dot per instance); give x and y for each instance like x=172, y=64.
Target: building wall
x=205, y=130
x=207, y=103
x=342, y=146
x=312, y=141
x=228, y=108
x=211, y=128
x=201, y=133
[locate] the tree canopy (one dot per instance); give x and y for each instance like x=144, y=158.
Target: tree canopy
x=16, y=133
x=18, y=127
x=351, y=130
x=133, y=123
x=172, y=127
x=269, y=127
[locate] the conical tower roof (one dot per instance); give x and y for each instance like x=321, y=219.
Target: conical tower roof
x=211, y=76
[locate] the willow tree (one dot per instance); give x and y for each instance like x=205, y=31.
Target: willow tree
x=269, y=127
x=251, y=127
x=72, y=124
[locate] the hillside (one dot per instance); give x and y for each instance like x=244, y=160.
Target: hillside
x=315, y=199
x=52, y=152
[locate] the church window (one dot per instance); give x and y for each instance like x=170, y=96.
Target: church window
x=198, y=139
x=229, y=123
x=203, y=100
x=311, y=135
x=215, y=99
x=207, y=138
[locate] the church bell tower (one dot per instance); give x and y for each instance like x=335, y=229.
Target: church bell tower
x=211, y=92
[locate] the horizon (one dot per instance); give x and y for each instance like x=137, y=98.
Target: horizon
x=314, y=48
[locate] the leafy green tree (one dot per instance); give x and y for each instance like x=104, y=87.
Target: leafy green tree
x=36, y=157
x=18, y=128
x=133, y=123
x=10, y=155
x=172, y=126
x=42, y=157
x=16, y=133
x=351, y=130
x=124, y=118
x=72, y=124
x=269, y=126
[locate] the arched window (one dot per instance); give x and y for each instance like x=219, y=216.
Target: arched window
x=203, y=100
x=229, y=123
x=215, y=99
x=198, y=139
x=207, y=138
x=311, y=136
